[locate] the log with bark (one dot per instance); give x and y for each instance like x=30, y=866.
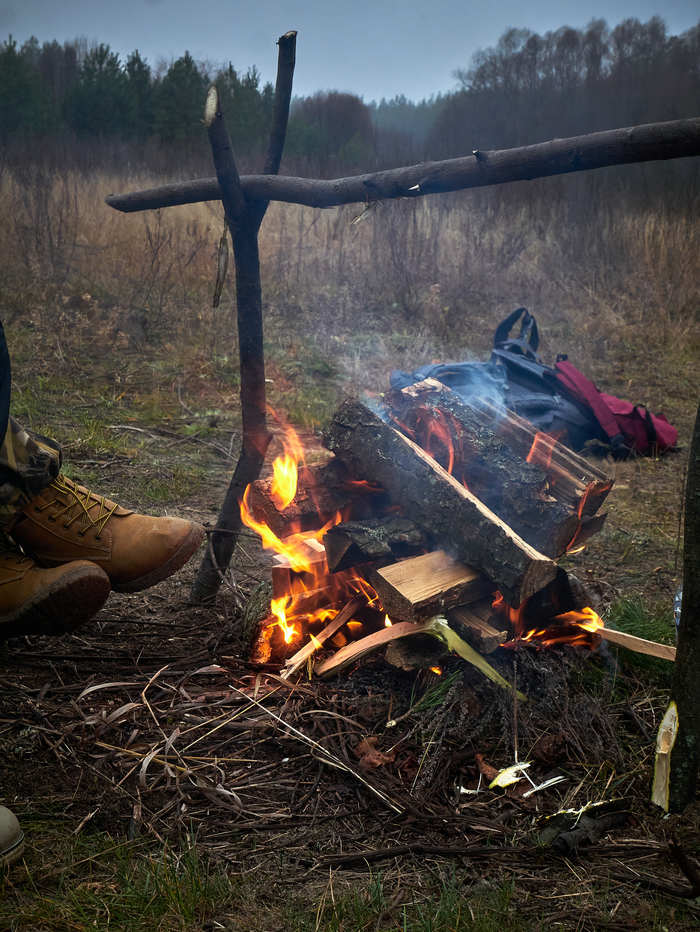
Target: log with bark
x=428, y=495
x=646, y=142
x=516, y=490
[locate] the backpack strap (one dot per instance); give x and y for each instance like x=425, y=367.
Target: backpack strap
x=528, y=341
x=583, y=389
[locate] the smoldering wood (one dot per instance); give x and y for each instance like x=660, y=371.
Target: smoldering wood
x=428, y=495
x=374, y=540
x=426, y=585
x=643, y=143
x=517, y=491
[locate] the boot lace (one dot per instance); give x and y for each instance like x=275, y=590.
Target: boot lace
x=78, y=502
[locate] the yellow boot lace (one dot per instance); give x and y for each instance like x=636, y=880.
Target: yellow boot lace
x=80, y=501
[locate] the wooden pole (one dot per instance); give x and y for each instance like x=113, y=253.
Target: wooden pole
x=645, y=143
x=685, y=689
x=244, y=216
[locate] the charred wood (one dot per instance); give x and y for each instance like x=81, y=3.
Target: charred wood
x=322, y=492
x=374, y=540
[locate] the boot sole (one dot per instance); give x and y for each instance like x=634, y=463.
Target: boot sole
x=62, y=606
x=194, y=538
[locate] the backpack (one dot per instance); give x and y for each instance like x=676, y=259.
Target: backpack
x=558, y=400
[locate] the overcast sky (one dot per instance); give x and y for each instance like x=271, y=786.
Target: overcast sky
x=375, y=48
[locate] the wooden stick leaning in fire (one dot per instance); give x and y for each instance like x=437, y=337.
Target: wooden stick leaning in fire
x=435, y=500
x=298, y=660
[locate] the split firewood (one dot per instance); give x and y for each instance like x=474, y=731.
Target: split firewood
x=573, y=479
x=477, y=631
x=435, y=500
x=517, y=490
x=426, y=585
x=374, y=540
x=283, y=572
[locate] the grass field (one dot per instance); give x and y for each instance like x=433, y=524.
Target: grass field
x=118, y=353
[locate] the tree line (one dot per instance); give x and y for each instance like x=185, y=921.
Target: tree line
x=527, y=88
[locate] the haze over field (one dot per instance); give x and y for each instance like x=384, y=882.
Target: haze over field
x=374, y=48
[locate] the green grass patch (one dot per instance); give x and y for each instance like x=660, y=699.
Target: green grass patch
x=449, y=904
x=97, y=881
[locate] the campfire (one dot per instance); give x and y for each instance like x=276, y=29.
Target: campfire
x=431, y=517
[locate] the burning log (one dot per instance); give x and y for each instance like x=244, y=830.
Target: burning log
x=375, y=540
x=427, y=585
x=322, y=492
x=508, y=478
x=437, y=502
x=573, y=480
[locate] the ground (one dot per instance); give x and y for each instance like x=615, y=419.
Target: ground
x=163, y=781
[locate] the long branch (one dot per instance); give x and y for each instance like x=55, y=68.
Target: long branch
x=645, y=143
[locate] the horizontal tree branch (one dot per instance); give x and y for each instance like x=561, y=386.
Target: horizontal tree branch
x=644, y=143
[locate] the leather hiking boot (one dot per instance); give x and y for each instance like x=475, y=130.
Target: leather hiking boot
x=34, y=600
x=11, y=838
x=66, y=522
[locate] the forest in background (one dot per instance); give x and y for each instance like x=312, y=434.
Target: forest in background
x=79, y=104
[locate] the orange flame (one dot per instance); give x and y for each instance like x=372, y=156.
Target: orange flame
x=311, y=590
x=570, y=628
x=542, y=449
x=284, y=469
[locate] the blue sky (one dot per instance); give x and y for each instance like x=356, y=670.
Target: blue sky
x=375, y=48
